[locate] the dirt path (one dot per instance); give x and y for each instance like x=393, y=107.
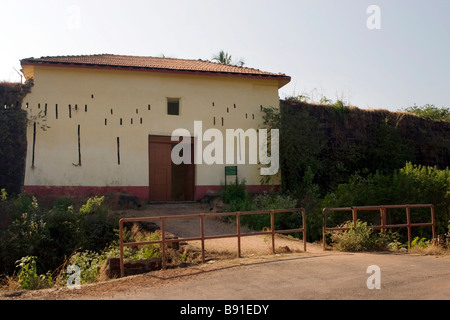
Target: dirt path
x=263, y=276
x=184, y=228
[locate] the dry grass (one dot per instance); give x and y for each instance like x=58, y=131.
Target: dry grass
x=431, y=250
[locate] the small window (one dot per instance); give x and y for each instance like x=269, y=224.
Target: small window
x=173, y=106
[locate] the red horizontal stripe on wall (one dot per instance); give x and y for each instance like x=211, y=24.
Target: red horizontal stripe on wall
x=84, y=191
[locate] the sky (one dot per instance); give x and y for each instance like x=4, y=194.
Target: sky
x=377, y=54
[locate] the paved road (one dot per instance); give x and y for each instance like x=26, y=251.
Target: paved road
x=321, y=276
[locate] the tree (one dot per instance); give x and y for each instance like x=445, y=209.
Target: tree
x=225, y=58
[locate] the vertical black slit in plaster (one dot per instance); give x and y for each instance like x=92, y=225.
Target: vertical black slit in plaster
x=79, y=146
x=118, y=150
x=56, y=111
x=70, y=111
x=34, y=144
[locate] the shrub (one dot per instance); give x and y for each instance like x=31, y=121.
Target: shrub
x=413, y=184
x=51, y=235
x=360, y=238
x=28, y=276
x=238, y=199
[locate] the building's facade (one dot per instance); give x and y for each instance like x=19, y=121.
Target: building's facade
x=110, y=118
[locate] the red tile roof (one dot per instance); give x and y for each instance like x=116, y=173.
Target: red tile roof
x=155, y=64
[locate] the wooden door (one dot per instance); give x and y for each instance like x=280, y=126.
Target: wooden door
x=167, y=181
x=160, y=170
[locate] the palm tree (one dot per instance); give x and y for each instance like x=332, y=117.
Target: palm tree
x=222, y=57
x=225, y=58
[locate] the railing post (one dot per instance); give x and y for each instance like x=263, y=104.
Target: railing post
x=324, y=225
x=433, y=225
x=202, y=230
x=122, y=271
x=163, y=244
x=272, y=228
x=383, y=219
x=354, y=216
x=408, y=224
x=238, y=223
x=304, y=229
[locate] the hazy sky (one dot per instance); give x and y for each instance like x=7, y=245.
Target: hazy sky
x=326, y=46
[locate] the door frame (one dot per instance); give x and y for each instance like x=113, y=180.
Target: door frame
x=168, y=140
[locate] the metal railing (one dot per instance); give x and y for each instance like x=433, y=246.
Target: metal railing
x=163, y=242
x=383, y=226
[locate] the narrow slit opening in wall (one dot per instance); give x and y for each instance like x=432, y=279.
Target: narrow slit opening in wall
x=34, y=144
x=85, y=108
x=111, y=111
x=76, y=107
x=26, y=105
x=92, y=96
x=149, y=107
x=213, y=104
x=39, y=105
x=140, y=120
x=261, y=107
x=214, y=121
x=56, y=111
x=137, y=110
x=228, y=110
x=118, y=150
x=106, y=122
x=235, y=105
x=222, y=121
x=120, y=121
x=79, y=145
x=70, y=111
x=45, y=109
x=253, y=116
x=131, y=120
x=246, y=116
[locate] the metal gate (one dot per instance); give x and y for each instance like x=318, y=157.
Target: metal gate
x=202, y=236
x=383, y=226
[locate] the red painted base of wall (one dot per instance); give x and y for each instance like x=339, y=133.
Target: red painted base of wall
x=141, y=192
x=201, y=191
x=82, y=191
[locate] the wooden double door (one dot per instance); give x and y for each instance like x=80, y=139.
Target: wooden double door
x=168, y=181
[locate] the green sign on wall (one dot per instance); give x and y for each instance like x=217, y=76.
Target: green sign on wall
x=230, y=171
